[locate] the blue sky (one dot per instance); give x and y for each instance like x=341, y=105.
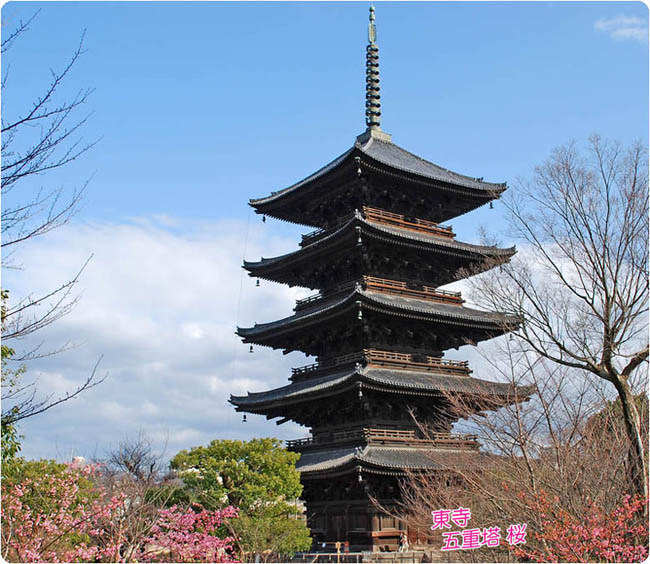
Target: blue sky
x=201, y=106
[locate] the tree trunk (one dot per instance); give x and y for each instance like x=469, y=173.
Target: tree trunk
x=632, y=421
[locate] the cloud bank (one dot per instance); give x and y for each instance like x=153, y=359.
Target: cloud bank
x=160, y=303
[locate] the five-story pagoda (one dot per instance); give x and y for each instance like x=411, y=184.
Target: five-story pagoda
x=378, y=326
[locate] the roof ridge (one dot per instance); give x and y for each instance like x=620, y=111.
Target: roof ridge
x=454, y=243
x=447, y=311
x=423, y=160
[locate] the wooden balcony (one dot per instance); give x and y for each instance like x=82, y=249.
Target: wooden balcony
x=383, y=217
x=326, y=364
x=397, y=437
x=312, y=236
x=385, y=359
x=386, y=286
x=402, y=289
x=390, y=359
x=411, y=224
x=332, y=293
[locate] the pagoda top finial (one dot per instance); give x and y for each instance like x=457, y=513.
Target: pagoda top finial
x=373, y=106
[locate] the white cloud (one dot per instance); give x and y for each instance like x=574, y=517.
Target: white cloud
x=193, y=331
x=160, y=301
x=623, y=27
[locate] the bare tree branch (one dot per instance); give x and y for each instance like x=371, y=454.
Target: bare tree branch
x=25, y=404
x=580, y=281
x=42, y=137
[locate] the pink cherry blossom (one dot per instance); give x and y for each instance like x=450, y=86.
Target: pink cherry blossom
x=82, y=527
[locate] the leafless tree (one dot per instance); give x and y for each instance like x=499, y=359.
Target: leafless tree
x=566, y=442
x=134, y=456
x=133, y=469
x=580, y=280
x=39, y=138
x=20, y=400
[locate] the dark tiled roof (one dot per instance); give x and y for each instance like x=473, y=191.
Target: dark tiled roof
x=320, y=172
x=441, y=382
x=295, y=391
x=393, y=458
x=488, y=251
x=430, y=307
x=394, y=380
x=400, y=457
x=391, y=155
x=430, y=242
x=316, y=461
x=300, y=315
x=443, y=312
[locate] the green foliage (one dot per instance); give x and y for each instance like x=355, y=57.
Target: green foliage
x=9, y=435
x=238, y=473
x=10, y=380
x=273, y=531
x=260, y=478
x=10, y=445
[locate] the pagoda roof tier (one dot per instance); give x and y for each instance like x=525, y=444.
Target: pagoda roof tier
x=482, y=394
x=378, y=460
x=376, y=159
x=362, y=319
x=311, y=265
x=382, y=359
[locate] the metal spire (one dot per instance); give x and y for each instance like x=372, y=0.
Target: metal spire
x=373, y=106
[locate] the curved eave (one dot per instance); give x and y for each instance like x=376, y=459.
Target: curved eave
x=382, y=380
x=391, y=159
x=382, y=460
x=391, y=305
x=279, y=194
x=395, y=157
x=368, y=458
x=395, y=235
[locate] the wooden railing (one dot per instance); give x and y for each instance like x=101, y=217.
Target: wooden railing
x=386, y=286
x=309, y=238
x=384, y=217
x=398, y=220
x=374, y=436
x=402, y=289
x=328, y=363
x=333, y=292
x=376, y=357
x=386, y=359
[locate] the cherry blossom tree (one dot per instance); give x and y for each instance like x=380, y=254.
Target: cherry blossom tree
x=67, y=516
x=598, y=536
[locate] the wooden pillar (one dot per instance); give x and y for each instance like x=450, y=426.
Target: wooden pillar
x=374, y=527
x=347, y=523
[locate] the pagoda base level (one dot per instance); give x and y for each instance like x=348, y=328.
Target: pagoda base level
x=363, y=526
x=358, y=523
x=341, y=509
